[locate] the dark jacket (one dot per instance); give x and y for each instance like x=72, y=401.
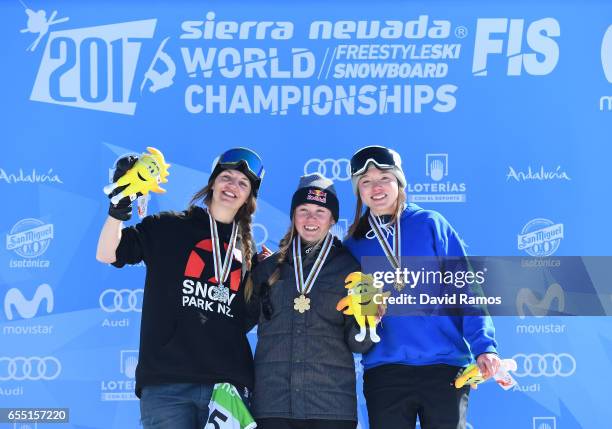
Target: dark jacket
x=304, y=366
x=189, y=333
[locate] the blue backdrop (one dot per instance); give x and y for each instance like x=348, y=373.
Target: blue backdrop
x=501, y=112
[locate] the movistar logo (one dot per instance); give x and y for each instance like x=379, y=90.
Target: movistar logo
x=27, y=308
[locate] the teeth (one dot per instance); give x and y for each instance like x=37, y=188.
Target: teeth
x=229, y=194
x=378, y=197
x=311, y=228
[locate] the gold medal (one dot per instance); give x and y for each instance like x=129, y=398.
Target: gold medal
x=301, y=304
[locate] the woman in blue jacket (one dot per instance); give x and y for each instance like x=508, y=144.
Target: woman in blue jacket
x=409, y=373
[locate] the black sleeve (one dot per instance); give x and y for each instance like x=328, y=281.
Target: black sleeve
x=351, y=328
x=136, y=242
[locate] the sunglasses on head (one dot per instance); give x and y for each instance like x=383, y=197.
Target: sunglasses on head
x=380, y=156
x=246, y=157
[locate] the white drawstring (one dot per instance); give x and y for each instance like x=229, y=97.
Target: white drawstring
x=387, y=228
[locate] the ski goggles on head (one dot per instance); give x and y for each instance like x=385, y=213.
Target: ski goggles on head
x=380, y=156
x=246, y=157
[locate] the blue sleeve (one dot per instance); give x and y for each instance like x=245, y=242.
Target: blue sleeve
x=478, y=330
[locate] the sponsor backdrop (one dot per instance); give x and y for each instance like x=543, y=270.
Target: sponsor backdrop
x=501, y=113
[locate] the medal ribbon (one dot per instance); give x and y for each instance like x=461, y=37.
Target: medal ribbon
x=393, y=255
x=222, y=268
x=304, y=287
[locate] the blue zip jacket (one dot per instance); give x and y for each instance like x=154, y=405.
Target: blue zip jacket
x=425, y=340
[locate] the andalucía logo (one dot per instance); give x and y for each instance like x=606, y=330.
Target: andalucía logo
x=538, y=174
x=28, y=176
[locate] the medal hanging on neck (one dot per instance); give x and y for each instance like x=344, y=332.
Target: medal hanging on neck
x=393, y=255
x=222, y=267
x=302, y=303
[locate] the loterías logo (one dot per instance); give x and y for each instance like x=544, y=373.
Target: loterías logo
x=94, y=67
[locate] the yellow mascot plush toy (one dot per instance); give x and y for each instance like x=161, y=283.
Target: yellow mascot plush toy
x=147, y=173
x=471, y=375
x=360, y=303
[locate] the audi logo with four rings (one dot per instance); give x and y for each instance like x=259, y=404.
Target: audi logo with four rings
x=29, y=368
x=335, y=169
x=545, y=365
x=122, y=300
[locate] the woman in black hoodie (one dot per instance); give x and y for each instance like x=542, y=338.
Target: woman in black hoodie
x=193, y=328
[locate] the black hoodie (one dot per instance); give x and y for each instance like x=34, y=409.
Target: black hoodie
x=189, y=333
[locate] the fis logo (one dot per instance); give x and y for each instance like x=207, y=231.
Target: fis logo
x=93, y=67
x=27, y=309
x=509, y=37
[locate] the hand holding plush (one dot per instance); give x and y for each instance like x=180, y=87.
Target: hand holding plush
x=145, y=175
x=360, y=303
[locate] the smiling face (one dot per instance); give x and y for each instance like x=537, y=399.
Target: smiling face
x=312, y=222
x=148, y=169
x=379, y=190
x=231, y=189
